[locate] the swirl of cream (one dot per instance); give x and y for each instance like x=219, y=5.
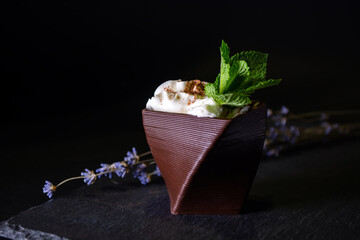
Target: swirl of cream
x=185, y=97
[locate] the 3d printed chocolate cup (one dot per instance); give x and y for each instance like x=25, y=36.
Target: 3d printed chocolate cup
x=208, y=164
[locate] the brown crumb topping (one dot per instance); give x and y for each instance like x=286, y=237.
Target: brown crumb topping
x=195, y=87
x=168, y=89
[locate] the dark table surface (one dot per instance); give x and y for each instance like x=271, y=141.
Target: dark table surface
x=74, y=87
x=309, y=193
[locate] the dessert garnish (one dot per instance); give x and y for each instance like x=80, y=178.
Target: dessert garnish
x=229, y=96
x=239, y=77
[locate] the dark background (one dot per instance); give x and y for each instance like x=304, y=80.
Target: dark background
x=76, y=75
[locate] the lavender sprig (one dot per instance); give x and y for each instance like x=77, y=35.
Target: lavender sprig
x=279, y=136
x=286, y=129
x=119, y=168
x=279, y=132
x=131, y=162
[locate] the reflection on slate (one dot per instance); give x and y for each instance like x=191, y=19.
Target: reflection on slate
x=310, y=194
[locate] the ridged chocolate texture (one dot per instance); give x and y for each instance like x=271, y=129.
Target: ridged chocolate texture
x=208, y=164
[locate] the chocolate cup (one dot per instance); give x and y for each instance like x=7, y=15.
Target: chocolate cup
x=208, y=164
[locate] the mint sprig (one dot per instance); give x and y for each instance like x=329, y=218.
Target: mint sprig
x=239, y=77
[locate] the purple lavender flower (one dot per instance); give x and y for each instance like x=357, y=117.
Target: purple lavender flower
x=278, y=120
x=272, y=133
x=279, y=132
x=323, y=117
x=131, y=157
x=120, y=169
x=140, y=169
x=105, y=168
x=329, y=127
x=294, y=134
x=144, y=178
x=141, y=174
x=157, y=171
x=273, y=152
x=89, y=176
x=49, y=189
x=284, y=110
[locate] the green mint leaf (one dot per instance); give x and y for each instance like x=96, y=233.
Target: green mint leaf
x=217, y=82
x=231, y=99
x=239, y=72
x=252, y=57
x=239, y=77
x=211, y=90
x=263, y=84
x=238, y=100
x=257, y=63
x=224, y=66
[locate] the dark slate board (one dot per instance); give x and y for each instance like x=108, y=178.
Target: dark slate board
x=309, y=194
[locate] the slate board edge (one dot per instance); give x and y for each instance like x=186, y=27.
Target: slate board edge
x=12, y=231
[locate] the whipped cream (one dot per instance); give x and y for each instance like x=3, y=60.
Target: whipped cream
x=186, y=97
